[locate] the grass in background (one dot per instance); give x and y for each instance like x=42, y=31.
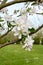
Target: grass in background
x=15, y=55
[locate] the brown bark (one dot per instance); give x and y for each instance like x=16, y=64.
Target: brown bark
x=9, y=43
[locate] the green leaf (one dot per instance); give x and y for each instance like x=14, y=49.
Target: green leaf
x=10, y=25
x=33, y=3
x=31, y=30
x=23, y=38
x=19, y=15
x=42, y=13
x=16, y=11
x=28, y=9
x=1, y=19
x=0, y=25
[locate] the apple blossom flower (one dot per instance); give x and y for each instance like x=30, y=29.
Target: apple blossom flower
x=28, y=43
x=8, y=17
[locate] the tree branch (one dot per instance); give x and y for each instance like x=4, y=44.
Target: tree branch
x=13, y=2
x=8, y=4
x=6, y=32
x=40, y=27
x=8, y=43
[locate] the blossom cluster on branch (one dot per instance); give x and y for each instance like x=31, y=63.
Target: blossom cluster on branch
x=21, y=27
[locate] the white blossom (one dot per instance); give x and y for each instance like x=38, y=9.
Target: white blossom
x=28, y=43
x=22, y=25
x=21, y=28
x=20, y=36
x=8, y=17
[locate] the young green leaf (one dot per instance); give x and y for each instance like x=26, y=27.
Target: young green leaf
x=31, y=30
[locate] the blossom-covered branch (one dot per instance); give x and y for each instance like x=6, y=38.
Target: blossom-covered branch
x=29, y=33
x=12, y=42
x=21, y=27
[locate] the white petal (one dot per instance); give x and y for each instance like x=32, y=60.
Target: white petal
x=19, y=37
x=18, y=28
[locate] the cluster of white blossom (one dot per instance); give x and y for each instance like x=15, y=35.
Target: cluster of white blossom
x=28, y=43
x=22, y=25
x=21, y=28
